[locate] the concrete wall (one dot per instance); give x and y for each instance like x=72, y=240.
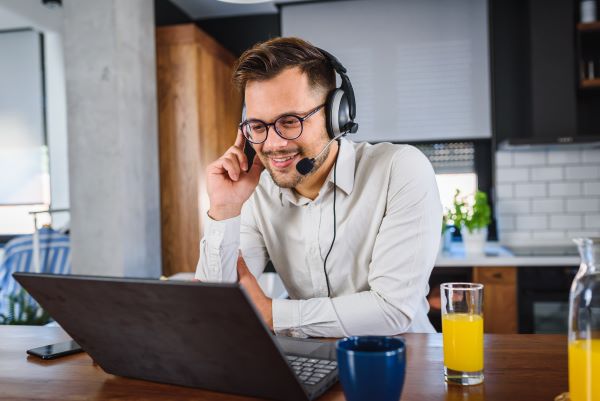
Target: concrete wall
x=113, y=140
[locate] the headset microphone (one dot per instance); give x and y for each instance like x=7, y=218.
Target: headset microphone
x=306, y=165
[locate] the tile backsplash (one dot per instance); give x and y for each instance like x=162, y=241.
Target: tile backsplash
x=547, y=196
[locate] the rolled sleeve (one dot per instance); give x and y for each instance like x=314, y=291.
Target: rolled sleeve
x=219, y=250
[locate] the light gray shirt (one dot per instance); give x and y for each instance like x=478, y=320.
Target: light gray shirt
x=388, y=226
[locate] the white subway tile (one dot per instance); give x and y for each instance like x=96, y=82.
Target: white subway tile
x=564, y=188
x=530, y=190
x=587, y=172
x=506, y=222
x=591, y=221
x=549, y=234
x=504, y=191
x=529, y=158
x=591, y=188
x=533, y=223
x=562, y=157
x=547, y=206
x=504, y=159
x=565, y=221
x=504, y=175
x=513, y=206
x=591, y=155
x=547, y=173
x=514, y=237
x=583, y=205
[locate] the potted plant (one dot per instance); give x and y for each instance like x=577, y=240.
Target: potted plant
x=472, y=217
x=21, y=311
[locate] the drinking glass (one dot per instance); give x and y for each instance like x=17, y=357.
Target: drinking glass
x=462, y=330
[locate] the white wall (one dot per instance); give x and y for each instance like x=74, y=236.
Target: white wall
x=419, y=68
x=547, y=196
x=16, y=14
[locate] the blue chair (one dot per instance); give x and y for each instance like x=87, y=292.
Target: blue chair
x=54, y=254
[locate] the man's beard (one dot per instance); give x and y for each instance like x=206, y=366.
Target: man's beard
x=294, y=178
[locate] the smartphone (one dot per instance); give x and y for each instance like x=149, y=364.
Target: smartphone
x=55, y=350
x=249, y=152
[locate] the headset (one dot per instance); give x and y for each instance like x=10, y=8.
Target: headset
x=340, y=106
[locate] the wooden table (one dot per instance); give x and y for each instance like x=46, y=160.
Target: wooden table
x=517, y=367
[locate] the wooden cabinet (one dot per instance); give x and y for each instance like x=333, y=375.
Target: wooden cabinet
x=499, y=298
x=198, y=115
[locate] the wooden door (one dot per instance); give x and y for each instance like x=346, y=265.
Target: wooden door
x=199, y=110
x=499, y=298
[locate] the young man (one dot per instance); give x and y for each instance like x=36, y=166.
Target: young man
x=380, y=203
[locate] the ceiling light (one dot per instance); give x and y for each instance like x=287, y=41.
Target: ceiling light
x=245, y=1
x=52, y=3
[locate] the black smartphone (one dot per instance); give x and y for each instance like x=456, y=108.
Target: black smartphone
x=249, y=152
x=55, y=350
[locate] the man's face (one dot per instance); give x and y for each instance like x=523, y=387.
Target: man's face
x=287, y=93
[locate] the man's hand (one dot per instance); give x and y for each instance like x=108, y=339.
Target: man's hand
x=228, y=184
x=263, y=303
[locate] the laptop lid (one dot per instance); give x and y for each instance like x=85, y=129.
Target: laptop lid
x=205, y=335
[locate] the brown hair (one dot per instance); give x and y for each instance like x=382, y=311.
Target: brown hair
x=267, y=59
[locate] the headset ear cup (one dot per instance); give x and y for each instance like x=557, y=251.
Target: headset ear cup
x=343, y=113
x=336, y=112
x=329, y=121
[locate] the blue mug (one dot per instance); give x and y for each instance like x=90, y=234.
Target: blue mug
x=371, y=367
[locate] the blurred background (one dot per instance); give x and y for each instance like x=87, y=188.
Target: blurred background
x=110, y=110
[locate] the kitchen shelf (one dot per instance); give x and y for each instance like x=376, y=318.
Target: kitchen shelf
x=588, y=26
x=590, y=83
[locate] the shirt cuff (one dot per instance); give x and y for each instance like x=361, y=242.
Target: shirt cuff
x=286, y=317
x=223, y=232
x=218, y=235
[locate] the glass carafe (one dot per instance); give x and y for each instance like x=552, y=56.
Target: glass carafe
x=584, y=324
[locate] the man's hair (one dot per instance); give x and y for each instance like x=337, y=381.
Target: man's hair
x=267, y=59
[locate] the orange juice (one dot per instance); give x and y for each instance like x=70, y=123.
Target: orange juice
x=463, y=342
x=584, y=370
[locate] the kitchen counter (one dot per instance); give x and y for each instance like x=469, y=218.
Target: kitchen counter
x=497, y=255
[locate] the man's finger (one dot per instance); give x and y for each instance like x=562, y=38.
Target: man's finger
x=239, y=140
x=241, y=156
x=231, y=164
x=241, y=265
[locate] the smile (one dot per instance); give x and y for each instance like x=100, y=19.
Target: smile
x=282, y=162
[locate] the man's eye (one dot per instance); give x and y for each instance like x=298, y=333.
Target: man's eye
x=290, y=122
x=257, y=128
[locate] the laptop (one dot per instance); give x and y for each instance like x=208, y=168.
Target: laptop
x=205, y=335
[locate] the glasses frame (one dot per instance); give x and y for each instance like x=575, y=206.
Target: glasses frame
x=273, y=124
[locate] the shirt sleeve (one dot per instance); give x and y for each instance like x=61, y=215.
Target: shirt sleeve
x=403, y=258
x=222, y=242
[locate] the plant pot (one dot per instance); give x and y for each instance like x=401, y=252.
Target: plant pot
x=474, y=242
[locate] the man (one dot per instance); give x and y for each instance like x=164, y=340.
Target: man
x=354, y=240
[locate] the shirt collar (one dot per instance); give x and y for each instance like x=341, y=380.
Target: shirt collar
x=346, y=161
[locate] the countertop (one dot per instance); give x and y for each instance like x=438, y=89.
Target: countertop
x=517, y=367
x=498, y=255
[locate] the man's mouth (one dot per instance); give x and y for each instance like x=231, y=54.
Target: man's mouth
x=282, y=161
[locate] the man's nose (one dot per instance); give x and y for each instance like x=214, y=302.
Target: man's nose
x=274, y=141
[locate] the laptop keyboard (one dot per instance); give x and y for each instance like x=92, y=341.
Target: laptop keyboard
x=311, y=370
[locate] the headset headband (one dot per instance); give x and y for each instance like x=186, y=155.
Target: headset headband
x=346, y=85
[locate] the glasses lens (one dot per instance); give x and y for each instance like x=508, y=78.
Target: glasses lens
x=255, y=131
x=289, y=127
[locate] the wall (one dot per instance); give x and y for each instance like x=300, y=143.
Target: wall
x=113, y=137
x=547, y=196
x=32, y=14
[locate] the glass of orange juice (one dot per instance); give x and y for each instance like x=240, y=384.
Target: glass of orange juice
x=462, y=330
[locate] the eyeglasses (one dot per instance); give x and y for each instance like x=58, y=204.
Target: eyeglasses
x=288, y=126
